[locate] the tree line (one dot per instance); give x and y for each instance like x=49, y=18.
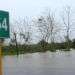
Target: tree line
x=50, y=33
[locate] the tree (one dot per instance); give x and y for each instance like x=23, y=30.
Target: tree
x=20, y=35
x=66, y=18
x=47, y=27
x=25, y=31
x=14, y=42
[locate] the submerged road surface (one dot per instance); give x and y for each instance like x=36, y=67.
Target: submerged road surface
x=59, y=63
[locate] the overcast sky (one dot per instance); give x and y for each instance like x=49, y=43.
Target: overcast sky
x=32, y=7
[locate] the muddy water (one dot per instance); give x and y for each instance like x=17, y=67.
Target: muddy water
x=58, y=63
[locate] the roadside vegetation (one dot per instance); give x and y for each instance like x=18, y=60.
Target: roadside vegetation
x=39, y=47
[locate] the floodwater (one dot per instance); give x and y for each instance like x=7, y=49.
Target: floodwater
x=49, y=63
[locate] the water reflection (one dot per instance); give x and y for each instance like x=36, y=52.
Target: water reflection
x=49, y=63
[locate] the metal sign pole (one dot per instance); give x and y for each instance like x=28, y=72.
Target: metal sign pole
x=1, y=69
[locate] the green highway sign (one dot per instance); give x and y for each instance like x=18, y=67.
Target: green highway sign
x=4, y=24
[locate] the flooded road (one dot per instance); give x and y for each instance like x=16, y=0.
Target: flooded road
x=58, y=63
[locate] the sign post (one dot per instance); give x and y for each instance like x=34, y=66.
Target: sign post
x=0, y=62
x=4, y=33
x=1, y=44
